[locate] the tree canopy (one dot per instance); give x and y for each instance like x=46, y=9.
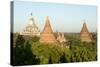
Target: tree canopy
x=29, y=51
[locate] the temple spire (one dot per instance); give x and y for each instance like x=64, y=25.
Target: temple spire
x=84, y=28
x=47, y=26
x=31, y=13
x=85, y=36
x=47, y=35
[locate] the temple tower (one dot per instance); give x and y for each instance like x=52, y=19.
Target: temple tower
x=31, y=29
x=84, y=34
x=47, y=35
x=60, y=37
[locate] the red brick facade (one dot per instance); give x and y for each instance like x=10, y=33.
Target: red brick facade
x=47, y=36
x=85, y=35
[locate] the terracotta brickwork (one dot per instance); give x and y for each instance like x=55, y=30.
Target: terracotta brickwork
x=85, y=35
x=47, y=36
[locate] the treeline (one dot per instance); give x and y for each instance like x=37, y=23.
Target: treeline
x=29, y=51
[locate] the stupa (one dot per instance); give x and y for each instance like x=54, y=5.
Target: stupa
x=60, y=37
x=31, y=29
x=47, y=35
x=85, y=36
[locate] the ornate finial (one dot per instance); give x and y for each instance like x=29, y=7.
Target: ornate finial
x=31, y=13
x=84, y=20
x=47, y=17
x=56, y=31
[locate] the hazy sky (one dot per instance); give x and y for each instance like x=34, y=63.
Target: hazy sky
x=63, y=17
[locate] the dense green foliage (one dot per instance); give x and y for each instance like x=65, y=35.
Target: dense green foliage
x=29, y=50
x=23, y=53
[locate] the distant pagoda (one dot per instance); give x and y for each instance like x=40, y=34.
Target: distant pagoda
x=47, y=35
x=31, y=29
x=60, y=37
x=85, y=36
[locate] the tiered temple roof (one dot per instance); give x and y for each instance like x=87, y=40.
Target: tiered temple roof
x=31, y=29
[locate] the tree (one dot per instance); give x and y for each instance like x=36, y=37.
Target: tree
x=50, y=60
x=20, y=41
x=23, y=53
x=30, y=51
x=63, y=58
x=35, y=39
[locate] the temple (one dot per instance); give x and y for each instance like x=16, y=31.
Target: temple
x=60, y=37
x=84, y=34
x=31, y=29
x=47, y=35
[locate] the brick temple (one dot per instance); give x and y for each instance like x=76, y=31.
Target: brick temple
x=47, y=35
x=85, y=36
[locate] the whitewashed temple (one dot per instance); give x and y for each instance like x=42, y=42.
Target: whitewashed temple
x=31, y=28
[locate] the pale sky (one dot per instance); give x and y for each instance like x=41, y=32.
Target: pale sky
x=63, y=17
